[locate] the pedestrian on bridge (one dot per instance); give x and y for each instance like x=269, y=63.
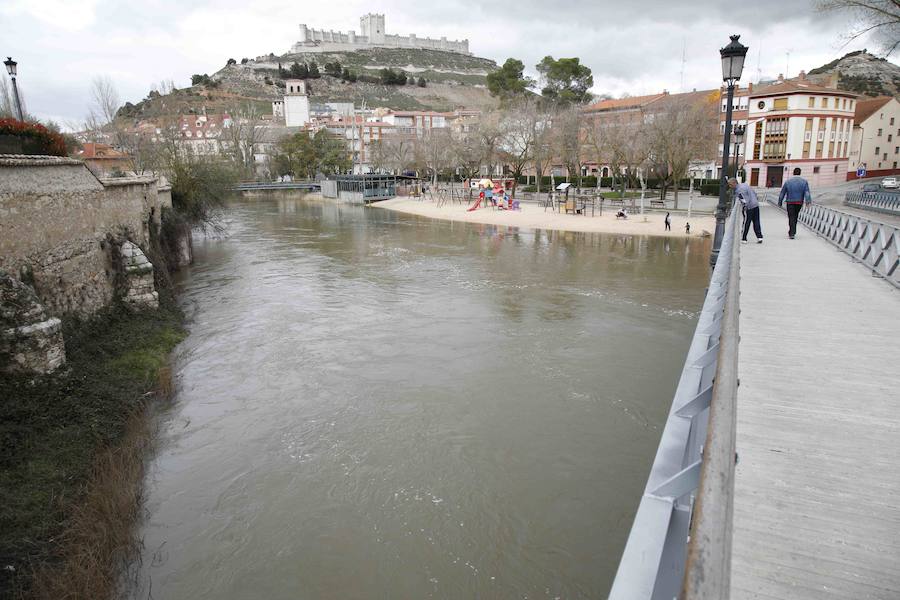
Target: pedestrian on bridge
x=796, y=191
x=747, y=197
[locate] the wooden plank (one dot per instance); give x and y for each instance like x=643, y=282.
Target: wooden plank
x=817, y=488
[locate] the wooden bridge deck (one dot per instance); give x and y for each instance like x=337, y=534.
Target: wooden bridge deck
x=817, y=492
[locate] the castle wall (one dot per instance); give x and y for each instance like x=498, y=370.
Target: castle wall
x=372, y=35
x=57, y=222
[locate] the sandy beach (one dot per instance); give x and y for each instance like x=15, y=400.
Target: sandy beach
x=534, y=217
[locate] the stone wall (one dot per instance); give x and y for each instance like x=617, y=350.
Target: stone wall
x=60, y=228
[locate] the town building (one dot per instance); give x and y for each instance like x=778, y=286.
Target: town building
x=372, y=35
x=103, y=159
x=796, y=123
x=203, y=133
x=739, y=115
x=415, y=122
x=876, y=138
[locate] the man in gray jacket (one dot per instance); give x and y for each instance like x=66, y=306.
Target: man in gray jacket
x=796, y=191
x=747, y=197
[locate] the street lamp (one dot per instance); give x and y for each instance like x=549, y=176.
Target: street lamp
x=11, y=69
x=739, y=131
x=733, y=56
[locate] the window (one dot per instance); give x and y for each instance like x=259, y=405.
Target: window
x=812, y=102
x=815, y=169
x=881, y=116
x=896, y=149
x=845, y=104
x=824, y=102
x=877, y=150
x=879, y=133
x=884, y=156
x=781, y=103
x=892, y=120
x=835, y=168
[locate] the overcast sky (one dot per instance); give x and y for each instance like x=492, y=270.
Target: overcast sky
x=632, y=47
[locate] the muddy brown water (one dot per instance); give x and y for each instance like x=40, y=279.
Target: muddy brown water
x=375, y=405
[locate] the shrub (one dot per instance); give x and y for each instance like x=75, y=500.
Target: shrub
x=36, y=138
x=709, y=189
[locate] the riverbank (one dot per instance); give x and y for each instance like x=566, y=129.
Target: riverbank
x=72, y=453
x=535, y=217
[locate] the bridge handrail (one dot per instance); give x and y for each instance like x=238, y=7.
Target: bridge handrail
x=874, y=245
x=695, y=459
x=874, y=201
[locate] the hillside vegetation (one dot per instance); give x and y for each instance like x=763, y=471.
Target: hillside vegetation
x=451, y=81
x=862, y=73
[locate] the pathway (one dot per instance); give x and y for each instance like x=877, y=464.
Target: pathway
x=817, y=492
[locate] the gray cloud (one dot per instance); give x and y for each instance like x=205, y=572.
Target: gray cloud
x=632, y=47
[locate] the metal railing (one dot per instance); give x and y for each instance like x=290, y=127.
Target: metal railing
x=874, y=245
x=680, y=541
x=874, y=201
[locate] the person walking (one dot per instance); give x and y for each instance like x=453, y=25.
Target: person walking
x=668, y=222
x=796, y=192
x=745, y=194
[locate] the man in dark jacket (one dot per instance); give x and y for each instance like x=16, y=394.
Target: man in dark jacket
x=796, y=191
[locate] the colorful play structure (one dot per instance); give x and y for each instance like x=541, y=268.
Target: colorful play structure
x=494, y=193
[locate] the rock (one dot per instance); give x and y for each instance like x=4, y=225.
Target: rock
x=30, y=340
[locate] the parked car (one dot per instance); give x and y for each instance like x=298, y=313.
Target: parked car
x=890, y=183
x=871, y=187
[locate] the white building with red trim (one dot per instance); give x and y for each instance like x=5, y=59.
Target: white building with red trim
x=797, y=123
x=876, y=138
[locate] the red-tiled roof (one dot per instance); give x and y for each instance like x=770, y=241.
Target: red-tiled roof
x=865, y=108
x=95, y=151
x=624, y=103
x=797, y=86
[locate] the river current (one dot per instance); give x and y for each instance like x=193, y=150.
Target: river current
x=375, y=405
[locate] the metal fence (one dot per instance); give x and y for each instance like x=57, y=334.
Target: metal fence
x=680, y=541
x=874, y=201
x=874, y=245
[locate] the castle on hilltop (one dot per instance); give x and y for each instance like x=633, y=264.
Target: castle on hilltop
x=372, y=35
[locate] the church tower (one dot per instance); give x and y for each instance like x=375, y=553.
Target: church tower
x=372, y=26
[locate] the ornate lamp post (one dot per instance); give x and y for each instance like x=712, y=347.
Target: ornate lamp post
x=738, y=132
x=732, y=66
x=11, y=69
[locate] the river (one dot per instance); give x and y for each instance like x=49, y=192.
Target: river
x=376, y=405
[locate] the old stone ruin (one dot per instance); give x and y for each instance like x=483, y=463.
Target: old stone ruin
x=69, y=244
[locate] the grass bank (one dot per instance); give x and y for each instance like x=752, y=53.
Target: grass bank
x=72, y=453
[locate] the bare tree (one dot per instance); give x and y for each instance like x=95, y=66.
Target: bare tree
x=433, y=152
x=489, y=132
x=568, y=140
x=680, y=130
x=8, y=101
x=881, y=18
x=239, y=141
x=465, y=154
x=517, y=145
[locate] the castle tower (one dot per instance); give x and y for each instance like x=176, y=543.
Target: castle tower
x=304, y=33
x=372, y=26
x=296, y=103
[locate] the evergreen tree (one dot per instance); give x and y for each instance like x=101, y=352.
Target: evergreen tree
x=314, y=71
x=421, y=82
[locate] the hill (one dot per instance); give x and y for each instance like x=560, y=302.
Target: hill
x=862, y=73
x=453, y=81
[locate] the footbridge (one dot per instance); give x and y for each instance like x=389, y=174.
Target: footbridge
x=254, y=186
x=778, y=471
